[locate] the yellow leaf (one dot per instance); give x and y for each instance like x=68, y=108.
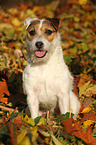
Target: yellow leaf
x=41, y=121
x=83, y=88
x=52, y=6
x=31, y=13
x=34, y=133
x=87, y=123
x=81, y=2
x=86, y=110
x=28, y=120
x=90, y=90
x=25, y=141
x=8, y=29
x=21, y=136
x=55, y=140
x=15, y=22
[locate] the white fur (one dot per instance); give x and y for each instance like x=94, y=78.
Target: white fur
x=48, y=80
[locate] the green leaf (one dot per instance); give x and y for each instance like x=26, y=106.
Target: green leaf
x=41, y=121
x=65, y=116
x=76, y=19
x=36, y=120
x=55, y=140
x=46, y=134
x=68, y=58
x=3, y=130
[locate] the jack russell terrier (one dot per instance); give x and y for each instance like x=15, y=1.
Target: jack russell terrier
x=46, y=78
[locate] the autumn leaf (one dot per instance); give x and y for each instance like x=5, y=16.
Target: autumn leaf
x=81, y=2
x=83, y=88
x=21, y=136
x=87, y=123
x=86, y=137
x=29, y=120
x=4, y=90
x=86, y=110
x=67, y=124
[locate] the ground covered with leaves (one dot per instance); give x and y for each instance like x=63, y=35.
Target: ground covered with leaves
x=78, y=31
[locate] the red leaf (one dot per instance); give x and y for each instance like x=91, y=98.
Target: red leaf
x=67, y=124
x=18, y=120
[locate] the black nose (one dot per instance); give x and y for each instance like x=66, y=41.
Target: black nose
x=39, y=44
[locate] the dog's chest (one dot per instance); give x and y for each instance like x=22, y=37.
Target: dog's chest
x=42, y=82
x=45, y=87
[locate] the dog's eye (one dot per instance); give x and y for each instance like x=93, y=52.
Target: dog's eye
x=48, y=32
x=32, y=32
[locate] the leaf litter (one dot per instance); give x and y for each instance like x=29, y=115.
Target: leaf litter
x=78, y=31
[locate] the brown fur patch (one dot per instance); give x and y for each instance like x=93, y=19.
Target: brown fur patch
x=46, y=26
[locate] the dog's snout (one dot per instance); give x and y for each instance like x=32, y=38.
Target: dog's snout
x=39, y=44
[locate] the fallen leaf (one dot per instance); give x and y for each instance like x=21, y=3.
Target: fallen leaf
x=87, y=116
x=86, y=110
x=41, y=121
x=18, y=120
x=34, y=133
x=55, y=140
x=67, y=124
x=16, y=22
x=25, y=141
x=87, y=102
x=82, y=2
x=29, y=120
x=3, y=90
x=83, y=88
x=44, y=133
x=87, y=123
x=21, y=136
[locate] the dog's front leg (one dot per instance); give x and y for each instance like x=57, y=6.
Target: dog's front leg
x=64, y=103
x=33, y=105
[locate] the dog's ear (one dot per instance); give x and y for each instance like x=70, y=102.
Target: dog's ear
x=56, y=22
x=28, y=21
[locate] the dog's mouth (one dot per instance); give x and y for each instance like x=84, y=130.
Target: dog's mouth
x=40, y=53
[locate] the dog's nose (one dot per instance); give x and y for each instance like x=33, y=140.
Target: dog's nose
x=39, y=44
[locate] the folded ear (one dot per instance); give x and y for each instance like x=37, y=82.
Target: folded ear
x=56, y=22
x=28, y=21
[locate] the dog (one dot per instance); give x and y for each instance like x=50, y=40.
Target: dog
x=46, y=78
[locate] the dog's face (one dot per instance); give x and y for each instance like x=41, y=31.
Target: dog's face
x=41, y=37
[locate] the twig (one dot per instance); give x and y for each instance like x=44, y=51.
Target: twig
x=6, y=108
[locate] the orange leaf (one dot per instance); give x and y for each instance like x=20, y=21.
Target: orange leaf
x=3, y=90
x=67, y=124
x=82, y=107
x=77, y=130
x=90, y=139
x=86, y=137
x=18, y=120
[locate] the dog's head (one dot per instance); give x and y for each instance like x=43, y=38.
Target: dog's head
x=42, y=37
